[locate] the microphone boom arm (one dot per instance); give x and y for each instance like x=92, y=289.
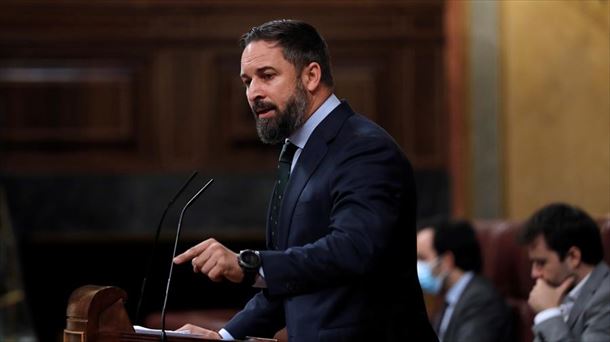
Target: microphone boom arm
x=171, y=266
x=156, y=242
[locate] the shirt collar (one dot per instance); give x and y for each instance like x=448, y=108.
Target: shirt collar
x=300, y=137
x=456, y=290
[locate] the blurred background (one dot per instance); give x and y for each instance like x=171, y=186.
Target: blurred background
x=107, y=106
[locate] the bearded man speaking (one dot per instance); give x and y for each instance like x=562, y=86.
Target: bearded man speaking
x=340, y=263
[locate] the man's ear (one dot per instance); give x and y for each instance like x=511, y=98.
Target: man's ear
x=574, y=257
x=311, y=76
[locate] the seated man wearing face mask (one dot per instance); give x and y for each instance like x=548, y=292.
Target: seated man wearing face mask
x=449, y=260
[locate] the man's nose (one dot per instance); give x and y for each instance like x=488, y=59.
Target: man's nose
x=254, y=91
x=536, y=273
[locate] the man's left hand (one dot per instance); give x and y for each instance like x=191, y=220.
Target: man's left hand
x=213, y=259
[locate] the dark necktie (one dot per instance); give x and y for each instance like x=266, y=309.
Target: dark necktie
x=283, y=175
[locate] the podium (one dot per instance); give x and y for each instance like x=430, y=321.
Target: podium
x=97, y=314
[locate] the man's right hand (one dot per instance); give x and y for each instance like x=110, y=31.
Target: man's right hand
x=205, y=333
x=544, y=296
x=213, y=259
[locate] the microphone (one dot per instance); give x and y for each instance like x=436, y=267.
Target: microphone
x=171, y=266
x=156, y=242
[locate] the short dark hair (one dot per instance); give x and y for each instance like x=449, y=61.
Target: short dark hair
x=300, y=42
x=564, y=226
x=459, y=238
x=431, y=221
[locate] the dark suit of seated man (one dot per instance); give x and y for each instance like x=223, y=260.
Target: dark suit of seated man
x=571, y=295
x=340, y=261
x=449, y=260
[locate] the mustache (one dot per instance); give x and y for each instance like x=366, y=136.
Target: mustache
x=260, y=106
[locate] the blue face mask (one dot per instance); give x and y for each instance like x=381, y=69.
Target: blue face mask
x=429, y=282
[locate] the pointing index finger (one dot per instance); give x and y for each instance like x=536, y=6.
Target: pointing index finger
x=192, y=252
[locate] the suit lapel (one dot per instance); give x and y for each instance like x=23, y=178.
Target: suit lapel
x=314, y=151
x=454, y=322
x=598, y=275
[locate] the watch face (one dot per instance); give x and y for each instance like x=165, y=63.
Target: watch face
x=249, y=259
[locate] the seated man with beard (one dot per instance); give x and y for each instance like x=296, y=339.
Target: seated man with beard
x=571, y=296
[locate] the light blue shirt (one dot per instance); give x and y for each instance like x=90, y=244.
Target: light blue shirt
x=301, y=136
x=298, y=138
x=451, y=298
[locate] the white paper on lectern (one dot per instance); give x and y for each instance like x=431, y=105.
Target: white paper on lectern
x=143, y=330
x=157, y=332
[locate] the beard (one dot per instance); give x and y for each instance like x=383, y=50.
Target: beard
x=285, y=122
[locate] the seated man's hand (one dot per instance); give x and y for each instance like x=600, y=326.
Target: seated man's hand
x=544, y=296
x=205, y=333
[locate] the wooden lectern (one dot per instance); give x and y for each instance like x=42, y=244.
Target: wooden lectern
x=97, y=314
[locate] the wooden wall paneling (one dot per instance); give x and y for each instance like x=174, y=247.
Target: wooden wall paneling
x=66, y=102
x=181, y=51
x=454, y=59
x=401, y=126
x=183, y=103
x=417, y=119
x=72, y=110
x=359, y=79
x=430, y=137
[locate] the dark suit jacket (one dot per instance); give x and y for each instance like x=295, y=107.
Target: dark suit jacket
x=589, y=318
x=346, y=265
x=480, y=315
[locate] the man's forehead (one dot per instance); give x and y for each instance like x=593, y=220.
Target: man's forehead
x=538, y=248
x=425, y=239
x=425, y=235
x=539, y=243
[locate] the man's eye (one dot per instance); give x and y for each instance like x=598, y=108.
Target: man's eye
x=267, y=76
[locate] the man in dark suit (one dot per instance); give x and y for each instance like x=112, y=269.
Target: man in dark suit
x=449, y=260
x=571, y=296
x=340, y=264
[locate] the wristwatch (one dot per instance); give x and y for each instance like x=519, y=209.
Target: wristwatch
x=250, y=261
